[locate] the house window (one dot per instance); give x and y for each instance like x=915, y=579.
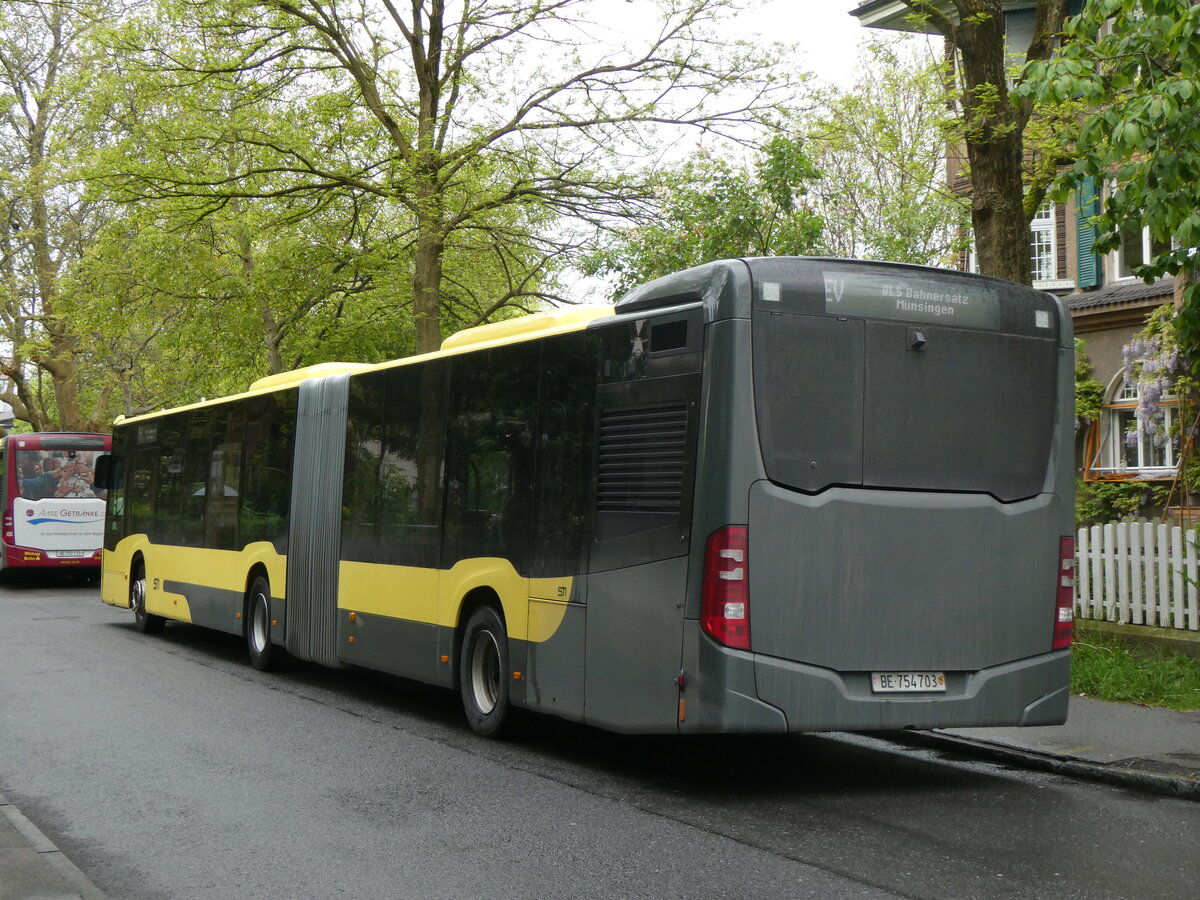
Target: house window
x=1128, y=445
x=1043, y=259
x=1137, y=248
x=1043, y=250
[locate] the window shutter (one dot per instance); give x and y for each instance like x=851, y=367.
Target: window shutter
x=1060, y=241
x=1087, y=205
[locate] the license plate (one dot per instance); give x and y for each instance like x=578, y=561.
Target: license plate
x=70, y=554
x=907, y=682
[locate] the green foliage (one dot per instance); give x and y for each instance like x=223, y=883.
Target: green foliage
x=482, y=126
x=1134, y=65
x=1089, y=393
x=863, y=174
x=1107, y=668
x=1108, y=501
x=47, y=52
x=715, y=207
x=284, y=292
x=881, y=151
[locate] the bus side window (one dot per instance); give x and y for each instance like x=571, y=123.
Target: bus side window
x=142, y=491
x=267, y=476
x=221, y=489
x=564, y=449
x=168, y=510
x=360, y=476
x=490, y=454
x=195, y=476
x=411, y=471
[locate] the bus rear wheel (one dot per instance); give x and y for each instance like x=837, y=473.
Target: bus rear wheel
x=258, y=626
x=483, y=671
x=146, y=623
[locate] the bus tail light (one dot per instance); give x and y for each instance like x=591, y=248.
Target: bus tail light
x=725, y=599
x=1064, y=611
x=8, y=527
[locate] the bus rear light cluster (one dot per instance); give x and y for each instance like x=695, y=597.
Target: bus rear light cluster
x=1064, y=620
x=725, y=599
x=8, y=526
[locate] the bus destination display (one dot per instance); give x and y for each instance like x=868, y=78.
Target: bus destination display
x=945, y=302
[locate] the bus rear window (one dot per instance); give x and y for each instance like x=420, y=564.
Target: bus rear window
x=59, y=474
x=903, y=377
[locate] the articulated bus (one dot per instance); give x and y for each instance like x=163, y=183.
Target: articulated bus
x=760, y=495
x=53, y=513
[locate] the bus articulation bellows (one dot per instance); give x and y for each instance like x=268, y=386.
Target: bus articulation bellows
x=777, y=494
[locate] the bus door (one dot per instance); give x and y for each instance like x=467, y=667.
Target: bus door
x=490, y=453
x=562, y=496
x=647, y=405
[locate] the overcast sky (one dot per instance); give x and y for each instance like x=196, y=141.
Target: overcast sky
x=828, y=36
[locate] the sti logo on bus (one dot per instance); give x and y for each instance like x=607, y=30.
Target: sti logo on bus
x=925, y=298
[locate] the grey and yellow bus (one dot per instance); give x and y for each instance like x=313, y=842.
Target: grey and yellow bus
x=762, y=495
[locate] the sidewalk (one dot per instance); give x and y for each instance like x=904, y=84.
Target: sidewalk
x=1132, y=746
x=32, y=868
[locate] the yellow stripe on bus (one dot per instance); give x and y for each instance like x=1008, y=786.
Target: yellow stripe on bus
x=533, y=608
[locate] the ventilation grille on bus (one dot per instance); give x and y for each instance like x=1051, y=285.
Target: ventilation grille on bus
x=642, y=458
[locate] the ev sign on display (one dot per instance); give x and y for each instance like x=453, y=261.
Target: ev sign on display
x=54, y=525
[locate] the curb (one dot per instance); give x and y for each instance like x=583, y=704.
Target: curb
x=1183, y=784
x=50, y=856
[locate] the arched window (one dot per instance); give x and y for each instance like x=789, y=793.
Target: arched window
x=1124, y=444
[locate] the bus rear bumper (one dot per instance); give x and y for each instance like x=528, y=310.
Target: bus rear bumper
x=16, y=557
x=1030, y=691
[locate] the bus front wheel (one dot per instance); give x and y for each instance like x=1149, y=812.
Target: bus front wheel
x=258, y=626
x=146, y=623
x=483, y=673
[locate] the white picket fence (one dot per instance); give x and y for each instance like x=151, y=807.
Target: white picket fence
x=1138, y=573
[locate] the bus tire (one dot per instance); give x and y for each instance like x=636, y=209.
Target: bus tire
x=146, y=623
x=483, y=673
x=258, y=626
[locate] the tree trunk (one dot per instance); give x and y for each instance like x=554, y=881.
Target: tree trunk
x=994, y=147
x=998, y=217
x=60, y=360
x=994, y=126
x=272, y=333
x=19, y=398
x=431, y=244
x=427, y=285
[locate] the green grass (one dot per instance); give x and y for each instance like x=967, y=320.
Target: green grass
x=1106, y=668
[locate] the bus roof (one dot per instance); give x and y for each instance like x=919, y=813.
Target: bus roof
x=481, y=337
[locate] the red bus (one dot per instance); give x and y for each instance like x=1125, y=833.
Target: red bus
x=53, y=515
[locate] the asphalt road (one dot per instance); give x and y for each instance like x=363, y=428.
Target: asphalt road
x=166, y=767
